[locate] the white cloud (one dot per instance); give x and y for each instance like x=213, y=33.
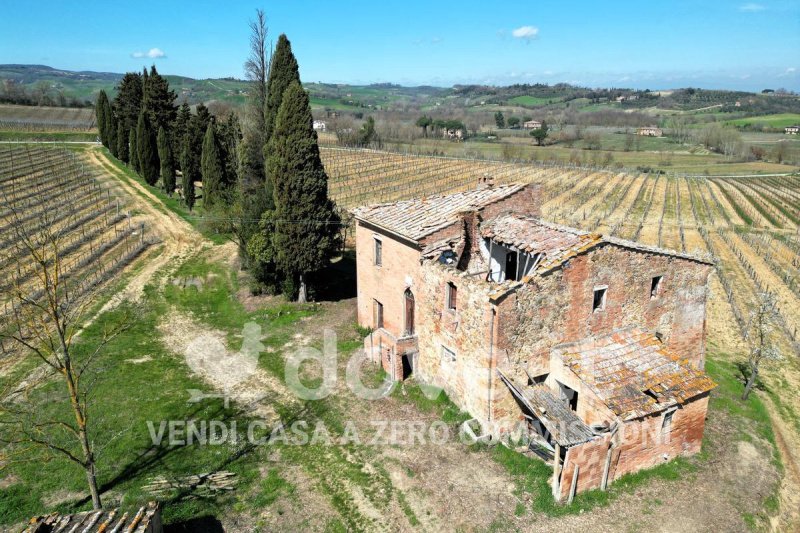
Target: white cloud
x=751, y=7
x=527, y=33
x=153, y=53
x=788, y=72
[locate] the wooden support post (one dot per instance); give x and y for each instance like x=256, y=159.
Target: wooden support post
x=556, y=472
x=574, y=484
x=607, y=467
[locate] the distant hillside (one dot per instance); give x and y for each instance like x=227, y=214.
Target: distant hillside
x=69, y=88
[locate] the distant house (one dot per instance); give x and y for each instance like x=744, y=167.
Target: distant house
x=457, y=134
x=531, y=125
x=320, y=125
x=650, y=131
x=791, y=130
x=738, y=104
x=628, y=98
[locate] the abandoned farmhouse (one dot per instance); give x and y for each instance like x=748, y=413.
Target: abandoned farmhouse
x=593, y=345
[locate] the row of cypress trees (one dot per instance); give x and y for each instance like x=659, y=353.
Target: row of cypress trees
x=266, y=186
x=144, y=128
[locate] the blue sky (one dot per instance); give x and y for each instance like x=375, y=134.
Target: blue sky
x=646, y=44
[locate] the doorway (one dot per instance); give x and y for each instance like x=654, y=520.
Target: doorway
x=408, y=298
x=511, y=266
x=408, y=365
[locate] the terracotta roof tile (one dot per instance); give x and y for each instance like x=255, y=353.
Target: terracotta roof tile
x=415, y=219
x=621, y=367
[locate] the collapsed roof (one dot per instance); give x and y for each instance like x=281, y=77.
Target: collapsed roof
x=633, y=372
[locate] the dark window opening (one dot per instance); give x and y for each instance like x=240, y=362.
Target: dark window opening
x=651, y=394
x=378, y=313
x=599, y=300
x=655, y=286
x=537, y=380
x=378, y=252
x=452, y=296
x=569, y=396
x=511, y=266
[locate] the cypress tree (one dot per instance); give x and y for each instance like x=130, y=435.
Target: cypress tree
x=283, y=70
x=128, y=102
x=211, y=169
x=122, y=142
x=100, y=107
x=306, y=224
x=167, y=163
x=133, y=150
x=179, y=130
x=110, y=129
x=189, y=172
x=159, y=99
x=148, y=151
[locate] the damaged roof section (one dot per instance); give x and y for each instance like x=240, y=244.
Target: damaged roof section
x=535, y=236
x=418, y=218
x=564, y=426
x=633, y=373
x=558, y=243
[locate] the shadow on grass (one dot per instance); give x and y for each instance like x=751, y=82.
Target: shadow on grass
x=203, y=524
x=337, y=281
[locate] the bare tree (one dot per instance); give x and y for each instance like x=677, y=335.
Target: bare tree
x=760, y=338
x=47, y=310
x=256, y=70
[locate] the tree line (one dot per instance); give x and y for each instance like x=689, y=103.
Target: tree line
x=263, y=182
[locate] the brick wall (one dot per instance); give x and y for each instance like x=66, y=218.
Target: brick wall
x=386, y=283
x=557, y=308
x=638, y=444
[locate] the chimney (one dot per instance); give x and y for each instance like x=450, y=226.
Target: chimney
x=471, y=257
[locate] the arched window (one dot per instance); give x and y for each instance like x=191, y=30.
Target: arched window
x=408, y=298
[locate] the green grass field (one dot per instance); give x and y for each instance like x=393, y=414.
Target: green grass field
x=531, y=101
x=780, y=120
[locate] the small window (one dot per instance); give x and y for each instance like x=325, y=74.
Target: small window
x=666, y=424
x=452, y=296
x=599, y=300
x=448, y=354
x=377, y=309
x=378, y=252
x=655, y=287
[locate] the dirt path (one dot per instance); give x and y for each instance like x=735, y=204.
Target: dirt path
x=179, y=238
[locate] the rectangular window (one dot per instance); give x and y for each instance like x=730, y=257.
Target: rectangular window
x=655, y=287
x=599, y=300
x=378, y=252
x=452, y=296
x=448, y=354
x=377, y=309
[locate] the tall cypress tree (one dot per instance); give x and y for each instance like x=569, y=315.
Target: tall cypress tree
x=167, y=162
x=179, y=130
x=283, y=70
x=128, y=102
x=110, y=128
x=148, y=151
x=189, y=170
x=306, y=224
x=211, y=169
x=122, y=142
x=159, y=100
x=133, y=150
x=100, y=106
